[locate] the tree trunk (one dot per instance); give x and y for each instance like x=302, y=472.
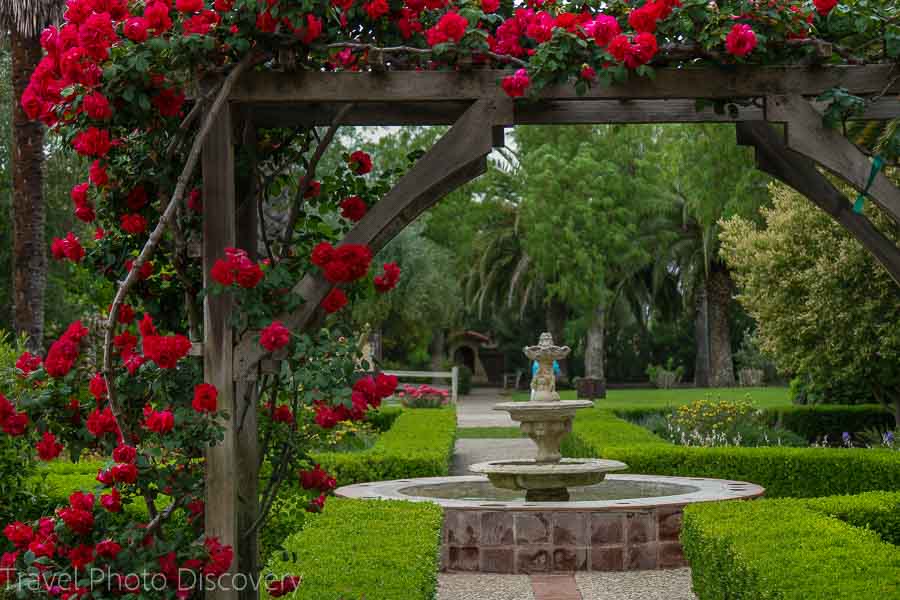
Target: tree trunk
x=701, y=335
x=29, y=246
x=721, y=364
x=594, y=352
x=436, y=348
x=556, y=325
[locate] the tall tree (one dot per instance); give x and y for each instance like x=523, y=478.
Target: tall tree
x=706, y=191
x=24, y=20
x=591, y=199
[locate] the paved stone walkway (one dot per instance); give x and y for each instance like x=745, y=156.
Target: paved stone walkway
x=476, y=410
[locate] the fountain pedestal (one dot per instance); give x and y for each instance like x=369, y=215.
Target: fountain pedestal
x=546, y=420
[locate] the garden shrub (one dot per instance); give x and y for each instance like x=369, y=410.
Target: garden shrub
x=784, y=472
x=464, y=381
x=419, y=444
x=814, y=422
x=878, y=511
x=372, y=549
x=778, y=549
x=383, y=418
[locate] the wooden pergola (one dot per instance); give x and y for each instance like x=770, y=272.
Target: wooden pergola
x=478, y=112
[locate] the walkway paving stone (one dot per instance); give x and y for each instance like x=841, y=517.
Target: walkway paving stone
x=477, y=409
x=555, y=587
x=483, y=586
x=467, y=452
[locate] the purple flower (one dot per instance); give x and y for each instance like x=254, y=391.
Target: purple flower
x=889, y=437
x=846, y=437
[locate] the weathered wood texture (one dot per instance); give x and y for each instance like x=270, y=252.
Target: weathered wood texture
x=543, y=112
x=807, y=135
x=458, y=157
x=686, y=83
x=775, y=158
x=222, y=475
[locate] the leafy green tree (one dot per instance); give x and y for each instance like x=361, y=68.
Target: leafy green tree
x=590, y=212
x=826, y=310
x=710, y=178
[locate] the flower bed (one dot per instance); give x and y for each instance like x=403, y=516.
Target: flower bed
x=785, y=549
x=784, y=472
x=375, y=549
x=419, y=444
x=423, y=396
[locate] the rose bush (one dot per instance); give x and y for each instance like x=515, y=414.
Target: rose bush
x=115, y=83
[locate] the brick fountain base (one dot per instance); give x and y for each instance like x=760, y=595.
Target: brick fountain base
x=514, y=536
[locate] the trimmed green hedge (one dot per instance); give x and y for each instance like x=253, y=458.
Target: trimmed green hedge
x=372, y=549
x=816, y=421
x=419, y=444
x=784, y=472
x=878, y=511
x=778, y=549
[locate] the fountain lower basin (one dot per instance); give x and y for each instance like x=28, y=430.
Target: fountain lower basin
x=627, y=522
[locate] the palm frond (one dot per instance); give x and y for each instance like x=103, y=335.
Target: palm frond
x=29, y=17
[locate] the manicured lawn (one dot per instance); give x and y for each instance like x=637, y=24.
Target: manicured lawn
x=488, y=432
x=765, y=397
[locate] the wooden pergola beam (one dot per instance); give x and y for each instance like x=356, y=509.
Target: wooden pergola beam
x=668, y=83
x=544, y=112
x=457, y=158
x=806, y=134
x=799, y=172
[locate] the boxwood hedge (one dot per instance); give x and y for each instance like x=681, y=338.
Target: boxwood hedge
x=419, y=444
x=372, y=549
x=780, y=549
x=878, y=511
x=792, y=472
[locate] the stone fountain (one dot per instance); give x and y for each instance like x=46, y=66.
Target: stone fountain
x=546, y=420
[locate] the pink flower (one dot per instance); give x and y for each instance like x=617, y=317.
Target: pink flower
x=516, y=84
x=741, y=40
x=275, y=336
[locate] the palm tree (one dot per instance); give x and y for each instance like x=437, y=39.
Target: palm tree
x=23, y=20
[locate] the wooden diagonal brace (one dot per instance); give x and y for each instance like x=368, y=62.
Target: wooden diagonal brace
x=807, y=135
x=457, y=158
x=799, y=172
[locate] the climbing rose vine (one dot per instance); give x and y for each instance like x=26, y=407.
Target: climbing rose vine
x=131, y=87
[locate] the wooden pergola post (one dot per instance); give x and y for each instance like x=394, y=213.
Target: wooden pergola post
x=222, y=476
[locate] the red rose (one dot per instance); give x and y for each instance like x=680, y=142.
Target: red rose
x=334, y=301
x=124, y=454
x=97, y=387
x=126, y=314
x=283, y=414
x=515, y=85
x=137, y=198
x=145, y=271
x=385, y=385
x=146, y=327
x=387, y=281
x=249, y=275
x=360, y=162
x=205, y=396
x=124, y=473
x=644, y=19
x=322, y=254
x=166, y=350
x=108, y=549
x=741, y=40
x=158, y=421
x=222, y=273
x=157, y=17
x=223, y=5
x=135, y=29
x=353, y=208
x=266, y=23
x=490, y=6
x=313, y=189
x=92, y=142
x=101, y=422
x=19, y=534
x=168, y=102
x=188, y=6
x=275, y=336
x=111, y=502
x=48, y=448
x=97, y=174
x=15, y=424
x=96, y=35
x=284, y=586
x=316, y=505
x=195, y=201
x=96, y=106
x=79, y=521
x=317, y=479
x=27, y=363
x=81, y=556
x=377, y=9
x=220, y=557
x=823, y=7
x=133, y=223
x=311, y=30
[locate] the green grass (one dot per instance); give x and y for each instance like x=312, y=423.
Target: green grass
x=489, y=433
x=764, y=397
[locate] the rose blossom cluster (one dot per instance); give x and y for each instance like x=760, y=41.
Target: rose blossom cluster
x=368, y=392
x=317, y=479
x=237, y=268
